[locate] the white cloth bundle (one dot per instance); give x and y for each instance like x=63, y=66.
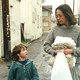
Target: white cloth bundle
x=62, y=40
x=65, y=42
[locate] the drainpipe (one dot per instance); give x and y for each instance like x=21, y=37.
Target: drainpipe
x=79, y=12
x=64, y=1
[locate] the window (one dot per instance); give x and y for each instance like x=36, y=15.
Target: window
x=45, y=23
x=45, y=13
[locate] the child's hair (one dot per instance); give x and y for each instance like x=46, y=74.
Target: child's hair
x=16, y=50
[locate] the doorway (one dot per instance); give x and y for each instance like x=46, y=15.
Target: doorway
x=22, y=32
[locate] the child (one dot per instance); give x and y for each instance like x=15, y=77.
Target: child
x=22, y=68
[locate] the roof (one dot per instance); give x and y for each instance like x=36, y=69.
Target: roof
x=47, y=7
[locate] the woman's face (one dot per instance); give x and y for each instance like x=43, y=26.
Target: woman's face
x=61, y=19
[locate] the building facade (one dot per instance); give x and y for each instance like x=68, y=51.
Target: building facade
x=47, y=11
x=19, y=19
x=33, y=20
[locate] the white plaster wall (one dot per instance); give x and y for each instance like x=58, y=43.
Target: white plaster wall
x=37, y=26
x=15, y=22
x=26, y=17
x=27, y=8
x=39, y=12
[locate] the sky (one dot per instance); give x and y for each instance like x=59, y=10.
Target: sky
x=56, y=3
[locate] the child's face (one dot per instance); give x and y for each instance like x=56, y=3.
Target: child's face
x=23, y=54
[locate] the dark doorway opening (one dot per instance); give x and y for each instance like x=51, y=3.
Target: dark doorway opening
x=22, y=32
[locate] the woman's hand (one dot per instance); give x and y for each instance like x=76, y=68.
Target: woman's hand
x=67, y=51
x=56, y=51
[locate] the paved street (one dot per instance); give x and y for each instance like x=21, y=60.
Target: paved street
x=37, y=54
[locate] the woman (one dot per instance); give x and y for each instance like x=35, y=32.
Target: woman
x=66, y=27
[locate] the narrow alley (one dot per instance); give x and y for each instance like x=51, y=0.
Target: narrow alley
x=40, y=58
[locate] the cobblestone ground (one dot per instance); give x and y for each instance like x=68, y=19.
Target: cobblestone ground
x=4, y=70
x=37, y=54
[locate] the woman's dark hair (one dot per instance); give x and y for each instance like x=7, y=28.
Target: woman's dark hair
x=66, y=10
x=16, y=50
